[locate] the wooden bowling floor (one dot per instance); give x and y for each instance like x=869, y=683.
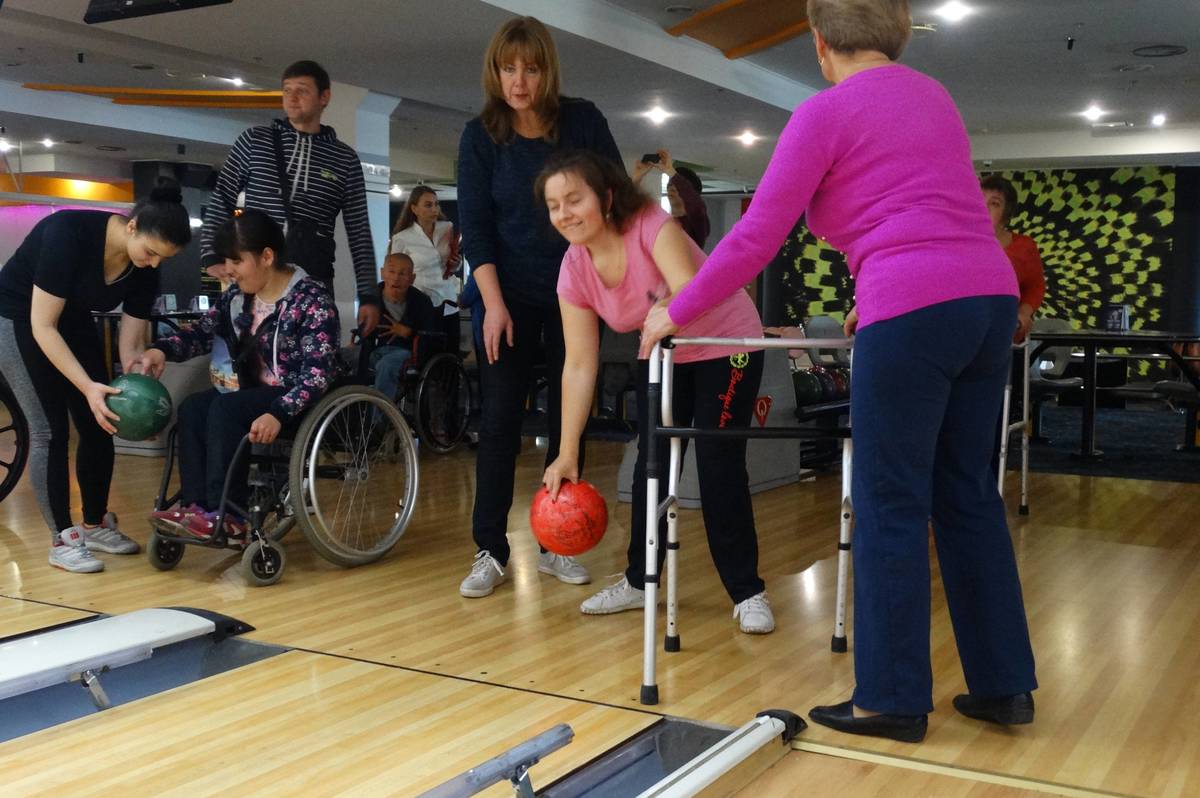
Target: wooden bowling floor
x=397, y=682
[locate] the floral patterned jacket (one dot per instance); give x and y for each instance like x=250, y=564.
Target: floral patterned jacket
x=299, y=340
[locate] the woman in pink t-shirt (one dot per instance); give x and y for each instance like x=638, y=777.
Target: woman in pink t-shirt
x=627, y=254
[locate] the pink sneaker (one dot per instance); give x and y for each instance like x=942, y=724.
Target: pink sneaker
x=203, y=525
x=173, y=520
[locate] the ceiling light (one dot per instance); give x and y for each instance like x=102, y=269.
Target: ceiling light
x=4, y=145
x=396, y=191
x=47, y=142
x=1093, y=112
x=953, y=11
x=1158, y=120
x=193, y=222
x=747, y=138
x=657, y=115
x=1160, y=50
x=237, y=81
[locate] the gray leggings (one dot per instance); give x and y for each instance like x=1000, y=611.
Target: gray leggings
x=47, y=398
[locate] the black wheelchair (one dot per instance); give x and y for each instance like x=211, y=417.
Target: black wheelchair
x=347, y=474
x=14, y=440
x=434, y=394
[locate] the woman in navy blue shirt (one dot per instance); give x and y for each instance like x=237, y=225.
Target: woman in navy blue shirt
x=514, y=254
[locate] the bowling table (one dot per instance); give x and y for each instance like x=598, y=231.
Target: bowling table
x=1159, y=342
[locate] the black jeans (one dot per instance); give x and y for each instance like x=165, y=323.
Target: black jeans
x=47, y=398
x=506, y=385
x=211, y=425
x=707, y=394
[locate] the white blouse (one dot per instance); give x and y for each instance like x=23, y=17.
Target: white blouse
x=429, y=261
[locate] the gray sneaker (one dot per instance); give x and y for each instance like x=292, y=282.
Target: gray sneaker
x=565, y=568
x=485, y=574
x=71, y=554
x=108, y=538
x=615, y=598
x=754, y=615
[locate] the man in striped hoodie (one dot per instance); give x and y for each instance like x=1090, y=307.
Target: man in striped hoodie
x=323, y=175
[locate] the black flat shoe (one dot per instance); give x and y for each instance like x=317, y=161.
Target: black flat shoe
x=1010, y=710
x=905, y=728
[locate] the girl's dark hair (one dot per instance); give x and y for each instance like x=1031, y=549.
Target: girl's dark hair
x=161, y=214
x=691, y=177
x=1006, y=189
x=407, y=217
x=251, y=231
x=620, y=199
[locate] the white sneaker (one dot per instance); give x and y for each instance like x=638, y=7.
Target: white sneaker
x=614, y=598
x=754, y=615
x=485, y=574
x=565, y=568
x=72, y=553
x=108, y=538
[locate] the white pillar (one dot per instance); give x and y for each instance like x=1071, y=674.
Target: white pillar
x=362, y=120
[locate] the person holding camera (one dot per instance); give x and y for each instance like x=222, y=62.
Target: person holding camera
x=683, y=192
x=302, y=176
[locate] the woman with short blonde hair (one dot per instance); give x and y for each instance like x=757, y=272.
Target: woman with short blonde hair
x=881, y=165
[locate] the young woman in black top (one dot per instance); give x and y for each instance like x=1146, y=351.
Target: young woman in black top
x=70, y=264
x=514, y=255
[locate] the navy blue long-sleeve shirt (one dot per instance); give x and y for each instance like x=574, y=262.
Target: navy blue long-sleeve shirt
x=501, y=221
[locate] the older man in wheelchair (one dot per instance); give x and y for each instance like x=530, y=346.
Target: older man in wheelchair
x=287, y=444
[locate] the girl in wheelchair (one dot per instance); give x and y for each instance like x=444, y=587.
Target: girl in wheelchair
x=280, y=327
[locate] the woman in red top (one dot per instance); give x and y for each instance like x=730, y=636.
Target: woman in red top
x=1001, y=198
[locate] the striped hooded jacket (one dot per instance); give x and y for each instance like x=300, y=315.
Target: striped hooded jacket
x=325, y=178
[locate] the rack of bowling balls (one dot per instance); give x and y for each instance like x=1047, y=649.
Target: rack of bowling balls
x=820, y=385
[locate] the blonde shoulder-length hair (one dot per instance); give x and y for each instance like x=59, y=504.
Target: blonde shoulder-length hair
x=528, y=39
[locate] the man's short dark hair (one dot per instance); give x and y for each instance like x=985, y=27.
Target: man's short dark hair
x=308, y=69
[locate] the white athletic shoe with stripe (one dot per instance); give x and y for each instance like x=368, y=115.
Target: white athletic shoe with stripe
x=108, y=538
x=72, y=554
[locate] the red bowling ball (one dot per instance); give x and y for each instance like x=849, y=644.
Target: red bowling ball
x=573, y=524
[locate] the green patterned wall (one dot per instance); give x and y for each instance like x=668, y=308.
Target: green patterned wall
x=1104, y=235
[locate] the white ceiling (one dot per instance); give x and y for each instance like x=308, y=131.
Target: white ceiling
x=1007, y=65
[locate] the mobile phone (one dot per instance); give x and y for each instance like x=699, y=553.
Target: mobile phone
x=651, y=158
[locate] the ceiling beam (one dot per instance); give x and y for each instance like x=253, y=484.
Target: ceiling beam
x=766, y=42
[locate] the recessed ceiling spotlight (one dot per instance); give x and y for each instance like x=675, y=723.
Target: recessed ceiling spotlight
x=195, y=222
x=1160, y=50
x=5, y=146
x=747, y=138
x=396, y=191
x=1093, y=112
x=1158, y=120
x=236, y=81
x=47, y=142
x=657, y=115
x=953, y=11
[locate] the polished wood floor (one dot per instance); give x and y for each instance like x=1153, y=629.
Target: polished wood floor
x=1111, y=573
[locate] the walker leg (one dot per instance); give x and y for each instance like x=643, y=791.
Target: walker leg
x=671, y=642
x=839, y=644
x=1026, y=424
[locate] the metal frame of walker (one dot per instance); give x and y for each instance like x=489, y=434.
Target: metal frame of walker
x=1024, y=426
x=658, y=402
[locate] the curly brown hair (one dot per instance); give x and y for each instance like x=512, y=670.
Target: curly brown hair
x=620, y=199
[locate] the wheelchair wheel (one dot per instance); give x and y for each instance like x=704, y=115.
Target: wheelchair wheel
x=356, y=461
x=262, y=564
x=443, y=403
x=14, y=440
x=163, y=554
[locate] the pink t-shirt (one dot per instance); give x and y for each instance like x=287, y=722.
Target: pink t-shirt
x=261, y=311
x=624, y=308
x=881, y=165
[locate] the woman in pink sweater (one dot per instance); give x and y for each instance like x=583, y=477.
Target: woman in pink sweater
x=625, y=254
x=881, y=166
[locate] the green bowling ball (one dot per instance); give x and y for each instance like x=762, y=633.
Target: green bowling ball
x=143, y=404
x=809, y=390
